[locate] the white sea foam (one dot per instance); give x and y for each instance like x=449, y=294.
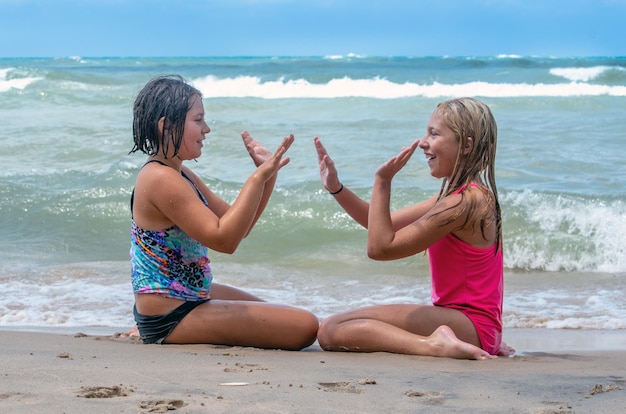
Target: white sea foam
x=77, y=59
x=380, y=88
x=564, y=308
x=7, y=83
x=349, y=56
x=565, y=233
x=66, y=303
x=582, y=74
x=86, y=299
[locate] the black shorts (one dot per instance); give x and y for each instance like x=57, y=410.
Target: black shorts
x=154, y=329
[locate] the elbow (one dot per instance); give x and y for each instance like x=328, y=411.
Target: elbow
x=226, y=247
x=227, y=251
x=382, y=250
x=375, y=252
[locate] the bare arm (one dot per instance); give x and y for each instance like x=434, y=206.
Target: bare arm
x=356, y=207
x=169, y=197
x=381, y=232
x=384, y=240
x=259, y=155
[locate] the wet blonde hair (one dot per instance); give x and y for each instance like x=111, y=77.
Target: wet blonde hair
x=471, y=118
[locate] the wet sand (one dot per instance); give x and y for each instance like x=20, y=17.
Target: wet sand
x=552, y=372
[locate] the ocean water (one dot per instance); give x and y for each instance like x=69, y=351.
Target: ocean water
x=66, y=178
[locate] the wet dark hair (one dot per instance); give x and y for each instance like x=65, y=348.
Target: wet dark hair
x=169, y=97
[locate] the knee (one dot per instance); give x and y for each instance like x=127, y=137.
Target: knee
x=325, y=334
x=308, y=327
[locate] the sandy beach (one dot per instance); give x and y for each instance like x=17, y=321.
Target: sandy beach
x=552, y=372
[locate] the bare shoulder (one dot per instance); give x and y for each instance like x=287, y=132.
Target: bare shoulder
x=153, y=176
x=156, y=182
x=479, y=219
x=451, y=204
x=478, y=193
x=163, y=198
x=471, y=204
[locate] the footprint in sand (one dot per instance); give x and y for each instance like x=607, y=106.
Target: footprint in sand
x=162, y=406
x=599, y=389
x=240, y=367
x=103, y=392
x=347, y=386
x=562, y=409
x=430, y=398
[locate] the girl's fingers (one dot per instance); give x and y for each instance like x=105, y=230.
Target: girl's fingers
x=287, y=141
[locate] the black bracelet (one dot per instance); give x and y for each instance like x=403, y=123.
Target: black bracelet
x=338, y=191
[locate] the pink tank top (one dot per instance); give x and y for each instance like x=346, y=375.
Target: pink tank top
x=470, y=279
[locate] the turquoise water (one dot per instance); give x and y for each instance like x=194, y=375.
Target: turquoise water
x=66, y=179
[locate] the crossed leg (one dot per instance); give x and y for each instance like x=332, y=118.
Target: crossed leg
x=403, y=329
x=236, y=317
x=247, y=323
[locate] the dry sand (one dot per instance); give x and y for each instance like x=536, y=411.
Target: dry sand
x=553, y=372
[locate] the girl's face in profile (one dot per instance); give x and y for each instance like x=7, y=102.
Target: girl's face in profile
x=440, y=147
x=195, y=130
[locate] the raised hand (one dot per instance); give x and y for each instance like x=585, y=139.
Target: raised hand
x=257, y=151
x=328, y=171
x=267, y=163
x=390, y=168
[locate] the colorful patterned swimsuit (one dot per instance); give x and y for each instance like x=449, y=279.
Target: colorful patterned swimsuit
x=168, y=263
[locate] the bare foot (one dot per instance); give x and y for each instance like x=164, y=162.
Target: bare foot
x=134, y=332
x=506, y=350
x=446, y=344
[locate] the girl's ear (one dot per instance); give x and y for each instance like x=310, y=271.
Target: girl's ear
x=469, y=144
x=161, y=124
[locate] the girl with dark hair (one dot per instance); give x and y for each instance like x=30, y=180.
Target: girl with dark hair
x=176, y=219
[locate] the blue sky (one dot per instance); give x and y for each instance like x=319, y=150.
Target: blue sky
x=89, y=28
